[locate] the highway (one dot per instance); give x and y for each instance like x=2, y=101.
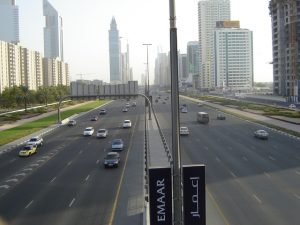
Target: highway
x=66, y=182
x=250, y=181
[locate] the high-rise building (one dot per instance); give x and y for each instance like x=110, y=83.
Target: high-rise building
x=9, y=21
x=182, y=66
x=193, y=58
x=114, y=53
x=53, y=33
x=162, y=70
x=285, y=16
x=4, y=75
x=209, y=12
x=233, y=58
x=126, y=70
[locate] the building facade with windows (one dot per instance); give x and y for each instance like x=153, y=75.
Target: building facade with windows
x=233, y=58
x=285, y=17
x=114, y=53
x=209, y=12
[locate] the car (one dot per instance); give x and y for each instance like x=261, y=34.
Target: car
x=112, y=159
x=126, y=124
x=72, y=123
x=200, y=104
x=28, y=150
x=102, y=133
x=102, y=112
x=88, y=131
x=184, y=131
x=184, y=110
x=38, y=141
x=94, y=118
x=125, y=109
x=117, y=145
x=156, y=100
x=133, y=104
x=292, y=106
x=261, y=134
x=221, y=116
x=127, y=105
x=164, y=102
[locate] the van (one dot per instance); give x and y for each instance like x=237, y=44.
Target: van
x=202, y=117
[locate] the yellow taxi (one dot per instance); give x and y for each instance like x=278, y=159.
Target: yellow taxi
x=28, y=150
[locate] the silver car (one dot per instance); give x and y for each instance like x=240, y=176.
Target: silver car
x=117, y=145
x=102, y=133
x=261, y=134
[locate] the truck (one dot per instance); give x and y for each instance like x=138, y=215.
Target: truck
x=202, y=117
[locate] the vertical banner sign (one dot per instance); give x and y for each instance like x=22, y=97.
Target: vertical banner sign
x=160, y=196
x=194, y=194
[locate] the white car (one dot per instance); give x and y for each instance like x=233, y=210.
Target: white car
x=292, y=106
x=261, y=134
x=126, y=124
x=184, y=131
x=127, y=105
x=125, y=109
x=102, y=133
x=38, y=141
x=88, y=131
x=184, y=110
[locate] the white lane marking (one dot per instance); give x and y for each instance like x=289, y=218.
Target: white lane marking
x=53, y=179
x=253, y=147
x=297, y=196
x=272, y=158
x=97, y=162
x=298, y=172
x=4, y=186
x=27, y=169
x=11, y=161
x=267, y=175
x=72, y=202
x=69, y=163
x=46, y=157
x=27, y=206
x=232, y=174
x=205, y=147
x=50, y=153
x=41, y=160
x=257, y=198
x=245, y=158
x=230, y=148
x=218, y=160
x=88, y=176
x=35, y=164
x=12, y=180
x=80, y=152
x=20, y=174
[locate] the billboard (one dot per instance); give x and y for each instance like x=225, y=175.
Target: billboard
x=194, y=194
x=160, y=196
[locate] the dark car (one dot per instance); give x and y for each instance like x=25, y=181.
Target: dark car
x=102, y=112
x=94, y=118
x=221, y=116
x=72, y=123
x=112, y=159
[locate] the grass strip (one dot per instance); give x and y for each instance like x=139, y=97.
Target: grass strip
x=7, y=136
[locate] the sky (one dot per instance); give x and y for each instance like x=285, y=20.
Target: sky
x=86, y=24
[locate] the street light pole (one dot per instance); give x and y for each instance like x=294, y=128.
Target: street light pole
x=177, y=197
x=147, y=70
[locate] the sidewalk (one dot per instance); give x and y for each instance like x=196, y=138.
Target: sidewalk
x=279, y=122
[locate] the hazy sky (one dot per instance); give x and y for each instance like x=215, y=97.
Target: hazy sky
x=86, y=25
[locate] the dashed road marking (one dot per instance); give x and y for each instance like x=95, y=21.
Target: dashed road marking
x=218, y=160
x=4, y=186
x=205, y=147
x=97, y=162
x=41, y=160
x=27, y=206
x=12, y=180
x=267, y=174
x=46, y=157
x=20, y=174
x=35, y=164
x=80, y=152
x=298, y=172
x=12, y=160
x=88, y=176
x=72, y=202
x=27, y=169
x=272, y=158
x=245, y=158
x=53, y=179
x=257, y=198
x=69, y=163
x=232, y=174
x=297, y=196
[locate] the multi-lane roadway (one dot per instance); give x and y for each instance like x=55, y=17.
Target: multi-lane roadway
x=250, y=181
x=66, y=182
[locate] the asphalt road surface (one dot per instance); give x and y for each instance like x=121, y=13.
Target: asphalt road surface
x=251, y=181
x=66, y=182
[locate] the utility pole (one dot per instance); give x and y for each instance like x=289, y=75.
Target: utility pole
x=177, y=197
x=148, y=90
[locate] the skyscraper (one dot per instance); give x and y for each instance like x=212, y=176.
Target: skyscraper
x=286, y=47
x=209, y=12
x=233, y=58
x=53, y=33
x=114, y=53
x=9, y=21
x=193, y=58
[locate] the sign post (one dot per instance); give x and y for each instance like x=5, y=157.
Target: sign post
x=194, y=194
x=160, y=196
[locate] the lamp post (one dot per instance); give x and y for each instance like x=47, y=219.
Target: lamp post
x=177, y=201
x=147, y=45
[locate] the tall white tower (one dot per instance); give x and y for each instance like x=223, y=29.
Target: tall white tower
x=53, y=33
x=209, y=12
x=9, y=21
